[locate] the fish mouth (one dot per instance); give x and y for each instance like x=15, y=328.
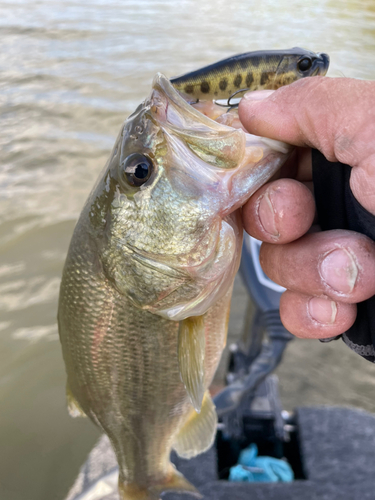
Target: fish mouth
x=192, y=118
x=216, y=143
x=224, y=166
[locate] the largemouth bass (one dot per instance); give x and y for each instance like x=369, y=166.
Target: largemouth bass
x=263, y=69
x=145, y=294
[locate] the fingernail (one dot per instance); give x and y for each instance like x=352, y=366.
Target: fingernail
x=258, y=95
x=266, y=214
x=339, y=270
x=323, y=310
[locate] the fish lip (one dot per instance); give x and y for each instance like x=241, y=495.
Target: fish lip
x=162, y=84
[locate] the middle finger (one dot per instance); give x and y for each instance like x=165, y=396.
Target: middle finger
x=338, y=264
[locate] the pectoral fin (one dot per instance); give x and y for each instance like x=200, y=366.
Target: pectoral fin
x=74, y=408
x=191, y=348
x=198, y=433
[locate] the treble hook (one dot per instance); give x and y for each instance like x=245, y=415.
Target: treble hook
x=232, y=96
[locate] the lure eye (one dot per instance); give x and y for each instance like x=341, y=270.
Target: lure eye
x=136, y=169
x=304, y=64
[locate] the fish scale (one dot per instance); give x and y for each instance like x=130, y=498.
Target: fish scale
x=129, y=349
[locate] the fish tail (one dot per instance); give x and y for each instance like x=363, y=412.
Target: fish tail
x=175, y=482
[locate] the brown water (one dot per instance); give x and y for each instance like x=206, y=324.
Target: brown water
x=69, y=74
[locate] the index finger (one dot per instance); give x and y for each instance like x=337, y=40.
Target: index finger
x=334, y=115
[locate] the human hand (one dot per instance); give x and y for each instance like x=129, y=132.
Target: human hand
x=325, y=273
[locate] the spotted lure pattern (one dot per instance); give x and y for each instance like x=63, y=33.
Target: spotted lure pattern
x=254, y=71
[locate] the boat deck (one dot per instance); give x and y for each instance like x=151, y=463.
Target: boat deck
x=337, y=447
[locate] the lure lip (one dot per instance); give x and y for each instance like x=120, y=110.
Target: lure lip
x=325, y=61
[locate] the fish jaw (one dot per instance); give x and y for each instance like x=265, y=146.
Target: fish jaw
x=173, y=245
x=226, y=165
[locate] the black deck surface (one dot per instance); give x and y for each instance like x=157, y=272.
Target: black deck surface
x=338, y=454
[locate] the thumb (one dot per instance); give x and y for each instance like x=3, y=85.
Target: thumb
x=334, y=115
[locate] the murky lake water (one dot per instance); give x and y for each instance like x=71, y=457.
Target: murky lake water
x=70, y=72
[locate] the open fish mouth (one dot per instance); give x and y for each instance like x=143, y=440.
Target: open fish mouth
x=186, y=113
x=221, y=166
x=214, y=139
x=200, y=117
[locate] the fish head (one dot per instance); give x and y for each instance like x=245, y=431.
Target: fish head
x=165, y=210
x=299, y=63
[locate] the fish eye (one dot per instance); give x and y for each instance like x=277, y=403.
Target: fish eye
x=136, y=169
x=304, y=64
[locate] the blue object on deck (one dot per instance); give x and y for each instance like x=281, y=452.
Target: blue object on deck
x=251, y=468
